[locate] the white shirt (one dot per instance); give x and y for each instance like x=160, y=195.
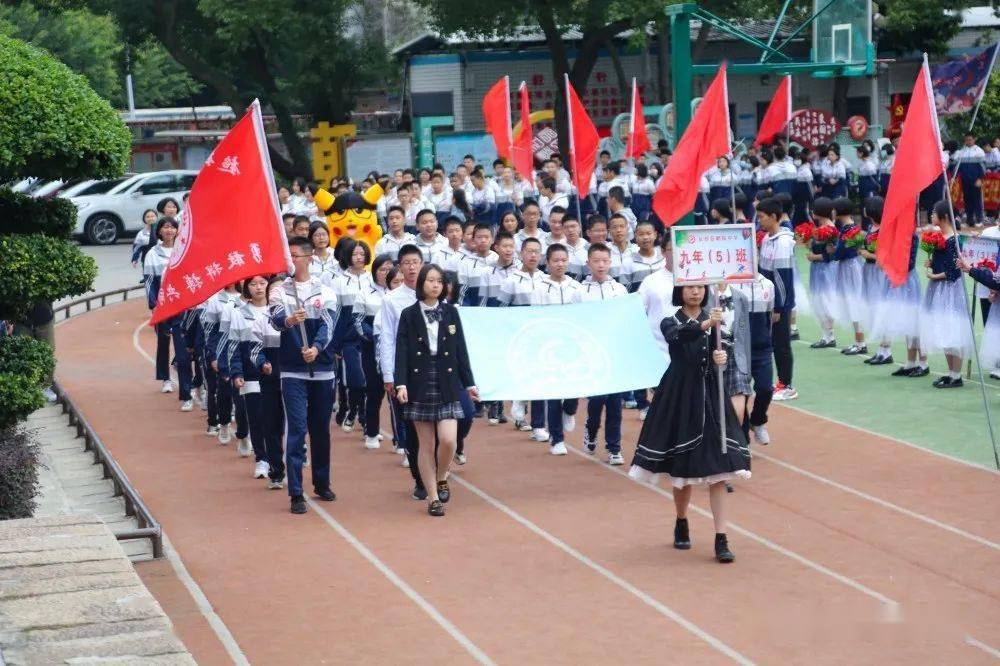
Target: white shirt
x=428, y=249
x=550, y=292
x=546, y=204
x=440, y=203
x=388, y=325
x=657, y=292
x=391, y=245
x=600, y=291
x=519, y=286
x=446, y=258
x=523, y=235
x=432, y=328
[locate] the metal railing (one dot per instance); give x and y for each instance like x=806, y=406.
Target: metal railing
x=88, y=302
x=148, y=527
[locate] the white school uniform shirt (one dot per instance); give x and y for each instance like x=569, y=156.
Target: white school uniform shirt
x=504, y=194
x=447, y=258
x=485, y=196
x=830, y=170
x=525, y=189
x=391, y=245
x=369, y=304
x=320, y=267
x=623, y=181
x=388, y=325
x=886, y=165
x=440, y=203
x=549, y=239
x=804, y=174
x=577, y=266
x=350, y=287
x=546, y=204
x=620, y=261
x=639, y=267
x=474, y=273
x=642, y=185
x=427, y=249
x=868, y=167
x=601, y=291
x=518, y=287
x=969, y=155
x=719, y=178
x=657, y=291
x=550, y=292
x=992, y=159
x=521, y=236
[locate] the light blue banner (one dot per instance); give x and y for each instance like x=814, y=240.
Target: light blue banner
x=562, y=351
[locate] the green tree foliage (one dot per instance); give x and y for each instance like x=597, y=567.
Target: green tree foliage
x=157, y=79
x=38, y=269
x=52, y=124
x=21, y=214
x=919, y=25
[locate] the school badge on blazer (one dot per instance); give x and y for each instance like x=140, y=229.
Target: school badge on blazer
x=451, y=329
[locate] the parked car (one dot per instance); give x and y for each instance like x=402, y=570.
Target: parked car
x=104, y=217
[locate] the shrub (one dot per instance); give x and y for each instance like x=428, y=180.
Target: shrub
x=20, y=395
x=21, y=214
x=37, y=269
x=52, y=124
x=26, y=356
x=18, y=473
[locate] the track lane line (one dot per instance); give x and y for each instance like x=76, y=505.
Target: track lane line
x=992, y=651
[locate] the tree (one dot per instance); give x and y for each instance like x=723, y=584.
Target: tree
x=291, y=55
x=157, y=79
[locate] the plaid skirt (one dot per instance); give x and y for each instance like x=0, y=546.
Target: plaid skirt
x=737, y=383
x=432, y=409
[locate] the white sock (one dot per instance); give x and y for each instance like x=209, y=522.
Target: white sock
x=828, y=335
x=955, y=375
x=885, y=351
x=909, y=365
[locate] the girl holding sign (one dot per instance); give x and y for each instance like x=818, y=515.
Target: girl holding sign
x=681, y=438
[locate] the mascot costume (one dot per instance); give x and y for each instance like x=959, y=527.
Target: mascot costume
x=352, y=215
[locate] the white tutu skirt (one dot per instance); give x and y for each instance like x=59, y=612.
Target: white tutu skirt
x=801, y=293
x=897, y=316
x=944, y=319
x=653, y=479
x=823, y=295
x=874, y=284
x=989, y=348
x=851, y=304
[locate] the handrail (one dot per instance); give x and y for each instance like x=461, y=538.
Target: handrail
x=148, y=527
x=67, y=308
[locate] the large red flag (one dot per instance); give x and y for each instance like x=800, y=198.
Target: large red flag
x=496, y=114
x=779, y=112
x=638, y=140
x=583, y=140
x=231, y=228
x=704, y=140
x=522, y=154
x=917, y=165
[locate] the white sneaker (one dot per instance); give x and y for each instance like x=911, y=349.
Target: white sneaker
x=371, y=443
x=630, y=404
x=261, y=469
x=347, y=425
x=760, y=434
x=212, y=431
x=540, y=435
x=523, y=426
x=224, y=434
x=275, y=484
x=642, y=413
x=616, y=459
x=203, y=400
x=399, y=450
x=569, y=422
x=589, y=445
x=380, y=437
x=558, y=449
x=187, y=406
x=460, y=458
x=168, y=386
x=244, y=448
x=518, y=410
x=405, y=463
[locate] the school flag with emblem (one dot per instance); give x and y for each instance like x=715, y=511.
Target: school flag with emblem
x=231, y=227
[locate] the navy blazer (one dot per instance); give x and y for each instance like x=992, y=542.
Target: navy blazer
x=413, y=355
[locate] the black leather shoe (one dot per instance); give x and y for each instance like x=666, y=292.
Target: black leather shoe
x=794, y=335
x=436, y=508
x=326, y=495
x=298, y=504
x=920, y=372
x=722, y=552
x=419, y=493
x=904, y=372
x=823, y=344
x=682, y=539
x=880, y=360
x=444, y=492
x=942, y=382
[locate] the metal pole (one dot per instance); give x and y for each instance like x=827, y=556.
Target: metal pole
x=302, y=324
x=986, y=84
x=720, y=380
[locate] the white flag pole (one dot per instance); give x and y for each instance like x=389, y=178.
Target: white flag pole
x=572, y=147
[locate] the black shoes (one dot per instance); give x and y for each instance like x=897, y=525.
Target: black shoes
x=419, y=493
x=444, y=492
x=436, y=508
x=915, y=371
x=854, y=350
x=682, y=539
x=326, y=495
x=794, y=335
x=823, y=344
x=879, y=360
x=722, y=552
x=948, y=382
x=298, y=504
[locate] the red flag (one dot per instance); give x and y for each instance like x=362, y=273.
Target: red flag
x=496, y=113
x=231, y=228
x=704, y=140
x=583, y=140
x=917, y=165
x=638, y=141
x=522, y=154
x=779, y=112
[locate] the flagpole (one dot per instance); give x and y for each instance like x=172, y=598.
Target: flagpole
x=510, y=118
x=965, y=298
x=986, y=85
x=572, y=147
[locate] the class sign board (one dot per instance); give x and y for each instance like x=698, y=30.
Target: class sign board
x=975, y=249
x=714, y=253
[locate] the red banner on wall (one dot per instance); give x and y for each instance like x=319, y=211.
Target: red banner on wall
x=991, y=192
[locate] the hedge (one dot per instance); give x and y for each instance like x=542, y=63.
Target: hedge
x=26, y=356
x=21, y=214
x=52, y=124
x=20, y=395
x=18, y=473
x=37, y=269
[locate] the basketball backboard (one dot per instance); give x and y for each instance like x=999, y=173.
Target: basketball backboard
x=842, y=31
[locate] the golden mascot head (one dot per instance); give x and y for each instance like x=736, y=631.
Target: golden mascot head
x=352, y=215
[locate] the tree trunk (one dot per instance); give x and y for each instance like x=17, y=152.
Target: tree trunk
x=840, y=87
x=560, y=67
x=624, y=85
x=663, y=80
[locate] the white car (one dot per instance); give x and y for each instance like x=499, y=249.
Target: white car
x=104, y=216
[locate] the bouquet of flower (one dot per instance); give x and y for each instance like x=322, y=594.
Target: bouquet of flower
x=931, y=240
x=827, y=235
x=853, y=237
x=760, y=237
x=871, y=243
x=804, y=232
x=988, y=264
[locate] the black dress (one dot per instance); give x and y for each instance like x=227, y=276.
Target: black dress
x=680, y=436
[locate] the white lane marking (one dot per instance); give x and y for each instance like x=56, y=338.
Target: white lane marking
x=877, y=500
x=204, y=605
x=992, y=651
x=611, y=576
x=222, y=631
x=403, y=586
x=891, y=607
x=784, y=404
